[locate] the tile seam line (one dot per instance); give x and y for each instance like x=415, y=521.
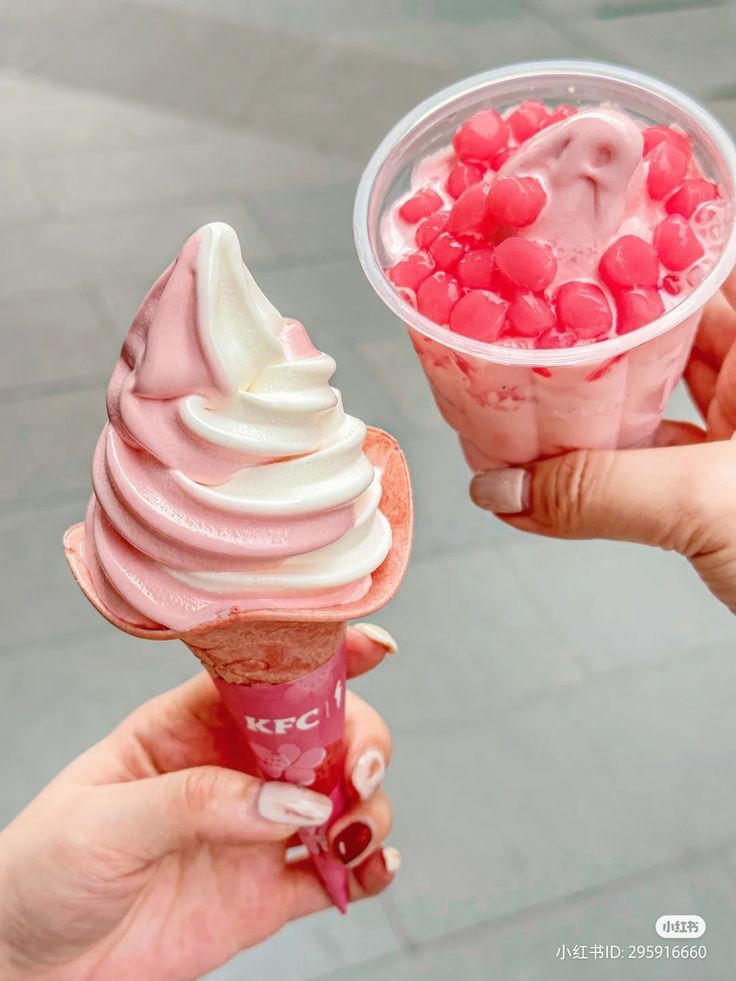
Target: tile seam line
x=512, y=556
x=544, y=611
x=100, y=308
x=722, y=848
x=288, y=262
x=266, y=226
x=38, y=197
x=611, y=11
x=540, y=696
x=55, y=501
x=13, y=652
x=18, y=649
x=159, y=205
x=48, y=293
x=313, y=49
x=396, y=924
x=561, y=26
x=530, y=913
x=184, y=142
x=40, y=390
x=581, y=660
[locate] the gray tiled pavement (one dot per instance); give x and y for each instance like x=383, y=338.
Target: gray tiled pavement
x=563, y=714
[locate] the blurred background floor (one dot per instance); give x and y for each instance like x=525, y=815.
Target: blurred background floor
x=563, y=713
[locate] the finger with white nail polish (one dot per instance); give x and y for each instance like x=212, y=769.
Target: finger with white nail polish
x=289, y=804
x=378, y=635
x=501, y=491
x=368, y=772
x=392, y=859
x=368, y=749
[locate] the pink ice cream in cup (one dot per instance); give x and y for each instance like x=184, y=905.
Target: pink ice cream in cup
x=550, y=233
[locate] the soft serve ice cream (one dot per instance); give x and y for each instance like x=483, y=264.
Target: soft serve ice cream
x=228, y=475
x=554, y=227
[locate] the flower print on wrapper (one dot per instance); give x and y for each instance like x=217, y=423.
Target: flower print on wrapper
x=288, y=762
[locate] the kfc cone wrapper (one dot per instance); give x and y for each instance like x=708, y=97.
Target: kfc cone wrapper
x=281, y=673
x=295, y=732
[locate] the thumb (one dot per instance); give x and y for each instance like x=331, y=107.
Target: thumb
x=670, y=497
x=151, y=817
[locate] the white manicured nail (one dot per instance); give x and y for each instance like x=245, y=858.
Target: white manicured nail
x=392, y=859
x=368, y=773
x=378, y=634
x=288, y=804
x=501, y=491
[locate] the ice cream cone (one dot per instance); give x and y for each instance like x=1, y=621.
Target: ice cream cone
x=276, y=668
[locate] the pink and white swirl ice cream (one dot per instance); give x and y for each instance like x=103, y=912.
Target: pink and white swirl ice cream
x=228, y=475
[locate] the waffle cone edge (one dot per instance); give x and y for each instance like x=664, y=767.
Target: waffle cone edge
x=272, y=646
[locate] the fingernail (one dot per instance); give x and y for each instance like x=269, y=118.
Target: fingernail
x=368, y=773
x=391, y=859
x=288, y=804
x=501, y=491
x=378, y=634
x=352, y=841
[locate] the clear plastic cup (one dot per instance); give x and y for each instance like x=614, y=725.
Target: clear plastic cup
x=510, y=405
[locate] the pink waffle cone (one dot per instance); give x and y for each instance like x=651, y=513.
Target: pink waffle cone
x=248, y=653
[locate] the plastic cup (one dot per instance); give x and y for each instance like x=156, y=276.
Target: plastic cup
x=511, y=405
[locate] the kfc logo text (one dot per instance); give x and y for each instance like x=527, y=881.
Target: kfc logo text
x=278, y=727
